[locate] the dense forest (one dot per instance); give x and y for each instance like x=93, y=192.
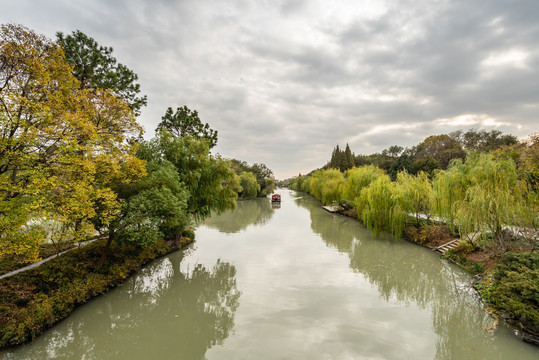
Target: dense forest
x=480, y=186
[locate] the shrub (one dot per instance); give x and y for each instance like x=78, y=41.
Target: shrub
x=517, y=286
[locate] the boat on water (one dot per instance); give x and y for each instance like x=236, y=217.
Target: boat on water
x=276, y=198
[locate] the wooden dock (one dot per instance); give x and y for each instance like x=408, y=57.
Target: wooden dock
x=331, y=209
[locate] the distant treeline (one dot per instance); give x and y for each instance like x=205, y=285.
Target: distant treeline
x=435, y=152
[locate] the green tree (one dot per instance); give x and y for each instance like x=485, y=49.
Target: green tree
x=349, y=158
x=264, y=177
x=482, y=140
x=153, y=208
x=185, y=122
x=494, y=196
x=442, y=148
x=414, y=193
x=379, y=209
x=210, y=181
x=96, y=68
x=249, y=185
x=357, y=179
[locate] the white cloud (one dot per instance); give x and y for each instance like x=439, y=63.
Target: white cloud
x=471, y=120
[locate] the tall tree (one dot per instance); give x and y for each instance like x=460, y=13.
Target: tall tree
x=185, y=122
x=96, y=68
x=61, y=146
x=348, y=158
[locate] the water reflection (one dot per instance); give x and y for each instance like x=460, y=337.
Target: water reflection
x=422, y=279
x=249, y=212
x=161, y=313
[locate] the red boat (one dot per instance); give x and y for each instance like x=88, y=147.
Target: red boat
x=275, y=198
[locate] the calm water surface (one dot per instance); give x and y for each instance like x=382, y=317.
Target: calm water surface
x=293, y=282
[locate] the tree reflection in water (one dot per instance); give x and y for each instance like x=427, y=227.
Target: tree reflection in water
x=249, y=212
x=159, y=313
x=423, y=279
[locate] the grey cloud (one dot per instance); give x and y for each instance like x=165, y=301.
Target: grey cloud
x=284, y=82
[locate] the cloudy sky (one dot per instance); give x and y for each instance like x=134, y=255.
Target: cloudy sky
x=284, y=81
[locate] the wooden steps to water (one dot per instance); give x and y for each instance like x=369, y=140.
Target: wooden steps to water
x=447, y=246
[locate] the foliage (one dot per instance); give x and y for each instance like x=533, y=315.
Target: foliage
x=357, y=179
x=341, y=160
x=517, y=286
x=153, y=208
x=263, y=175
x=482, y=140
x=529, y=161
x=250, y=187
x=449, y=188
x=211, y=183
x=185, y=122
x=61, y=147
x=414, y=193
x=441, y=148
x=95, y=68
x=326, y=185
x=492, y=198
x=379, y=209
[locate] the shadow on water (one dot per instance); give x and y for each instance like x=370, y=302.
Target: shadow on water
x=160, y=313
x=249, y=212
x=408, y=274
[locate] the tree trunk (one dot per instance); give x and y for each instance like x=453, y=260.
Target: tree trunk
x=106, y=252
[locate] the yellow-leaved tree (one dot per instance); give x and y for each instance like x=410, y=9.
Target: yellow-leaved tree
x=60, y=147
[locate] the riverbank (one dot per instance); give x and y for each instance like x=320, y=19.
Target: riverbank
x=508, y=282
x=34, y=300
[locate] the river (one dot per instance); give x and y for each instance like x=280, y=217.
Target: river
x=286, y=282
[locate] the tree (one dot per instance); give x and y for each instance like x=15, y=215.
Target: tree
x=264, y=177
x=357, y=179
x=492, y=199
x=379, y=209
x=482, y=140
x=210, y=181
x=441, y=148
x=414, y=193
x=61, y=146
x=185, y=122
x=349, y=158
x=249, y=185
x=96, y=68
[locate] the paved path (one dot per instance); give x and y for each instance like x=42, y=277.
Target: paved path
x=36, y=264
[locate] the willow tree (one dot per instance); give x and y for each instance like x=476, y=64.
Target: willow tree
x=249, y=185
x=413, y=193
x=493, y=198
x=357, y=179
x=379, y=209
x=449, y=188
x=326, y=185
